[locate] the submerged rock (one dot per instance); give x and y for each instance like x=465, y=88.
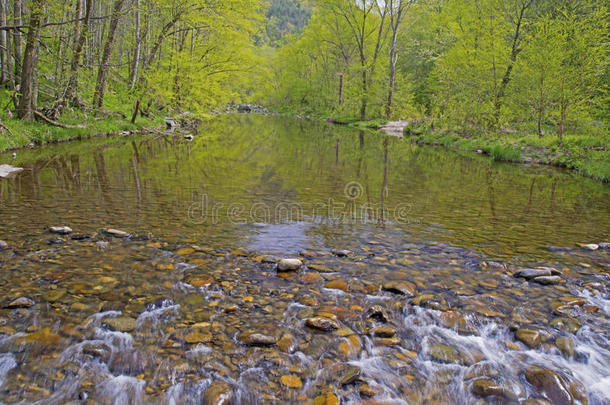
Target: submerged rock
x=21, y=302
x=531, y=338
x=383, y=332
x=322, y=323
x=444, y=354
x=121, y=324
x=350, y=375
x=485, y=387
x=289, y=264
x=116, y=233
x=287, y=344
x=550, y=385
x=369, y=391
x=400, y=287
x=326, y=399
x=341, y=253
x=533, y=273
x=337, y=285
x=565, y=346
x=218, y=393
x=456, y=321
x=566, y=324
x=56, y=295
x=291, y=381
x=548, y=280
x=62, y=230
x=257, y=339
x=378, y=313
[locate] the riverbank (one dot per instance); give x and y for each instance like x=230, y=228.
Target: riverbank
x=588, y=155
x=78, y=124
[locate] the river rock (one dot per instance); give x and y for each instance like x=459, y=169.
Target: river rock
x=8, y=171
x=383, y=332
x=444, y=354
x=400, y=287
x=287, y=344
x=101, y=350
x=548, y=280
x=257, y=339
x=289, y=265
x=43, y=338
x=326, y=399
x=337, y=285
x=21, y=302
x=341, y=253
x=197, y=336
x=201, y=281
x=322, y=323
x=116, y=233
x=565, y=346
x=350, y=375
x=531, y=338
x=291, y=381
x=533, y=273
x=456, y=321
x=485, y=387
x=121, y=324
x=218, y=393
x=566, y=324
x=604, y=245
x=482, y=369
x=550, y=385
x=369, y=390
x=378, y=313
x=56, y=295
x=62, y=230
x=590, y=246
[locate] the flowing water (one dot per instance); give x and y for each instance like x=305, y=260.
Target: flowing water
x=406, y=295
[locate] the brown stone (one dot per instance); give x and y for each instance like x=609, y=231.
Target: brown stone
x=218, y=393
x=322, y=323
x=291, y=381
x=337, y=285
x=485, y=387
x=550, y=385
x=531, y=338
x=400, y=287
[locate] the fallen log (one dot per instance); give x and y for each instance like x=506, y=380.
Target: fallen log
x=49, y=121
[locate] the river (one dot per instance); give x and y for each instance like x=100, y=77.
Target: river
x=407, y=289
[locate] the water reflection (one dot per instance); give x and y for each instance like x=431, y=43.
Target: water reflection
x=151, y=183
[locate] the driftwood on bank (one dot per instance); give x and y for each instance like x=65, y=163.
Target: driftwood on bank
x=49, y=121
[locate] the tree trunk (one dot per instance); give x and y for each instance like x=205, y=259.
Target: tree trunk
x=17, y=39
x=395, y=23
x=4, y=73
x=10, y=77
x=136, y=61
x=341, y=89
x=515, y=50
x=27, y=99
x=541, y=106
x=102, y=75
x=364, y=90
x=71, y=95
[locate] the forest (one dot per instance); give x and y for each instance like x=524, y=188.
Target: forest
x=490, y=68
